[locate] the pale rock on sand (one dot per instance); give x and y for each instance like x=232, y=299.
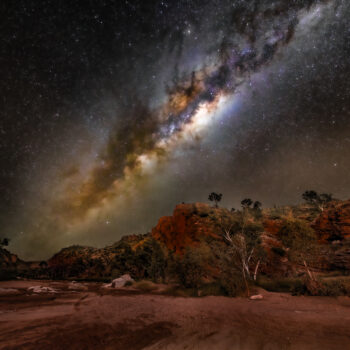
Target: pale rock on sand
x=119, y=282
x=41, y=289
x=77, y=286
x=7, y=291
x=256, y=297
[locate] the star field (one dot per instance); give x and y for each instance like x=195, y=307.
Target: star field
x=115, y=111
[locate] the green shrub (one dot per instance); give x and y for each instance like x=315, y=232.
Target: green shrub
x=6, y=275
x=300, y=288
x=129, y=283
x=232, y=283
x=214, y=288
x=157, y=267
x=334, y=287
x=145, y=286
x=279, y=251
x=336, y=274
x=178, y=291
x=297, y=235
x=189, y=268
x=323, y=287
x=282, y=285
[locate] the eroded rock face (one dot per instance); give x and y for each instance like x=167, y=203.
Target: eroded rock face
x=272, y=226
x=276, y=263
x=190, y=225
x=7, y=259
x=87, y=262
x=340, y=259
x=187, y=225
x=334, y=223
x=10, y=264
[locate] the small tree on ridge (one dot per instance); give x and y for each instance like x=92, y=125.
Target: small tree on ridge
x=215, y=197
x=4, y=242
x=317, y=200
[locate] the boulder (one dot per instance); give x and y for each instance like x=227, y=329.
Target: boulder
x=77, y=286
x=256, y=297
x=121, y=281
x=41, y=289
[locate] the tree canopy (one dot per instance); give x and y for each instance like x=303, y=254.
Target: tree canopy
x=317, y=200
x=4, y=242
x=215, y=197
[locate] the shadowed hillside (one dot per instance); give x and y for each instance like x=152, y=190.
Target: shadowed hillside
x=201, y=243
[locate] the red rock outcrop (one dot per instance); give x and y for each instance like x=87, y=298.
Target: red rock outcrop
x=272, y=226
x=334, y=223
x=276, y=262
x=89, y=262
x=187, y=225
x=9, y=260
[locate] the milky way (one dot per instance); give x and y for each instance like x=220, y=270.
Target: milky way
x=136, y=107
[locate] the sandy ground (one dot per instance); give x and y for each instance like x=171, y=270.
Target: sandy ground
x=98, y=319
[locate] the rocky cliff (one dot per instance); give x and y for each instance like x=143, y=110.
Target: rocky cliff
x=10, y=264
x=89, y=262
x=333, y=224
x=188, y=226
x=9, y=260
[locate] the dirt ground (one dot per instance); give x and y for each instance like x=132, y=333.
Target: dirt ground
x=95, y=318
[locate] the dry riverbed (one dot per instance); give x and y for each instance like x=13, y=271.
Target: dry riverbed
x=86, y=316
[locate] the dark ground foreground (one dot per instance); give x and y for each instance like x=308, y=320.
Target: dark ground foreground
x=98, y=319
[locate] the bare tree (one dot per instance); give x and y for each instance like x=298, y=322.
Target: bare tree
x=301, y=240
x=245, y=248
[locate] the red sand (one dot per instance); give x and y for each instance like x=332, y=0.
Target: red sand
x=96, y=319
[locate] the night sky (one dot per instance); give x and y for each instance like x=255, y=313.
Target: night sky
x=113, y=112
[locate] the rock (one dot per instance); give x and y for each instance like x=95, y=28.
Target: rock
x=121, y=281
x=188, y=224
x=272, y=226
x=334, y=223
x=276, y=262
x=86, y=262
x=9, y=291
x=77, y=286
x=256, y=297
x=340, y=259
x=41, y=289
x=10, y=261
